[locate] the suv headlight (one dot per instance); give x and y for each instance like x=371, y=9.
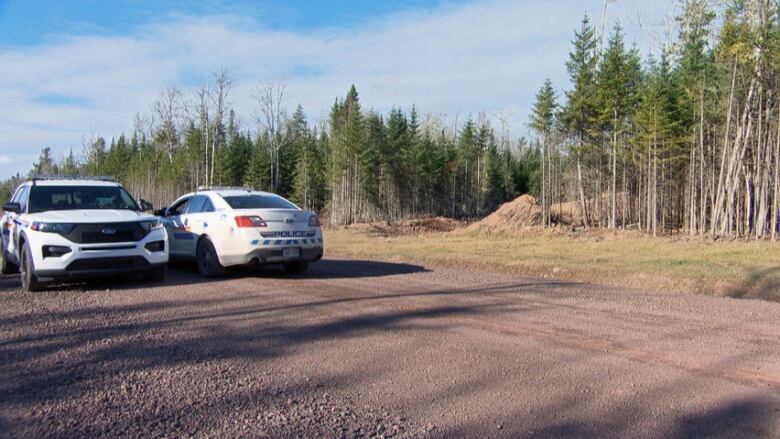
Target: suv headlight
x=150, y=225
x=61, y=228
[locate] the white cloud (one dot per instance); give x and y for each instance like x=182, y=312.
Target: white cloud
x=483, y=56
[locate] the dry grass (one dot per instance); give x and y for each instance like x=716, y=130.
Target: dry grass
x=626, y=259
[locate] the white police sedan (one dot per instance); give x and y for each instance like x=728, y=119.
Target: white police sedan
x=221, y=227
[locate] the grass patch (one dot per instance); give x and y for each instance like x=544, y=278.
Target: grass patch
x=628, y=259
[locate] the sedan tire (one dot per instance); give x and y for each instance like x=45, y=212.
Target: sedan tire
x=207, y=259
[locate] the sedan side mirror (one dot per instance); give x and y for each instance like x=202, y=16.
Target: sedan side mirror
x=145, y=205
x=12, y=207
x=159, y=212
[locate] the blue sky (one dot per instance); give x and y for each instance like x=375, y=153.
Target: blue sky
x=72, y=70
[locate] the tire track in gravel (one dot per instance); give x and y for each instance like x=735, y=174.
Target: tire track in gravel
x=429, y=294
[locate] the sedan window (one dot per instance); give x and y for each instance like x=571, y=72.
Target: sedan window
x=196, y=205
x=258, y=202
x=178, y=208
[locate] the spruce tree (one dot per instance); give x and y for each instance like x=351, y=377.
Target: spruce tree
x=580, y=112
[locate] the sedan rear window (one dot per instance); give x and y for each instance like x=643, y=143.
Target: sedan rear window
x=258, y=202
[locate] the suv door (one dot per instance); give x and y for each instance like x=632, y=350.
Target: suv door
x=179, y=236
x=21, y=197
x=7, y=226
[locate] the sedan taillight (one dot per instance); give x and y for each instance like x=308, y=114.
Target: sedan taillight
x=250, y=221
x=314, y=221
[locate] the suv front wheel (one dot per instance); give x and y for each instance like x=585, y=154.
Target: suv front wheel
x=29, y=281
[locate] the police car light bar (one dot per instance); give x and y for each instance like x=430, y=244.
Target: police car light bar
x=72, y=177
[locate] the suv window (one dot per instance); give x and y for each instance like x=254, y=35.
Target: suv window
x=15, y=197
x=44, y=198
x=258, y=202
x=21, y=197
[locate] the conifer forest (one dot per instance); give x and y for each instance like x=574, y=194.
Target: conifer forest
x=682, y=140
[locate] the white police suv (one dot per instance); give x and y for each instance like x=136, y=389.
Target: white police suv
x=220, y=227
x=68, y=228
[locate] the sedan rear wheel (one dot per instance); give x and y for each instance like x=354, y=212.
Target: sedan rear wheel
x=207, y=259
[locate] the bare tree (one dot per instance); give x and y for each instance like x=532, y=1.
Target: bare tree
x=203, y=97
x=168, y=108
x=272, y=117
x=222, y=85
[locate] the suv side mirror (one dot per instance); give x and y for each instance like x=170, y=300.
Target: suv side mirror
x=12, y=207
x=145, y=205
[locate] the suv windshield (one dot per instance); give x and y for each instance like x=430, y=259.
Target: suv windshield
x=258, y=202
x=43, y=198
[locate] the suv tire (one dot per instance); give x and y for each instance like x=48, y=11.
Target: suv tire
x=30, y=283
x=207, y=260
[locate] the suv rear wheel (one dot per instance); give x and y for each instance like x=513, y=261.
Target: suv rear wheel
x=207, y=259
x=29, y=281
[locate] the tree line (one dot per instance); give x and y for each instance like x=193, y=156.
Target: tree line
x=355, y=166
x=684, y=141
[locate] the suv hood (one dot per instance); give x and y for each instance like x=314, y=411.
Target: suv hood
x=90, y=216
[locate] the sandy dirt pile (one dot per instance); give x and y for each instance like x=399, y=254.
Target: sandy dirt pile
x=517, y=215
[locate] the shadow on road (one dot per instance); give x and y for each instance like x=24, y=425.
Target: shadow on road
x=761, y=284
x=182, y=273
x=54, y=355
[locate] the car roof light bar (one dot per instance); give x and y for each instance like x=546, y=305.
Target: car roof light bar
x=225, y=188
x=43, y=177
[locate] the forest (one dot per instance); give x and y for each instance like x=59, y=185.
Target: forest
x=683, y=140
x=357, y=166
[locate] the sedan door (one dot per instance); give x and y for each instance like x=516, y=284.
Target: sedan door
x=179, y=236
x=198, y=214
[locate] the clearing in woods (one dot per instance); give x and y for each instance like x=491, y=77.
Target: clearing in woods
x=625, y=259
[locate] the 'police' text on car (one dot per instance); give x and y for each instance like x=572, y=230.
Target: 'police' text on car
x=220, y=227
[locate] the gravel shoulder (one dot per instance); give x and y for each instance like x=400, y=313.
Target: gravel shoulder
x=369, y=349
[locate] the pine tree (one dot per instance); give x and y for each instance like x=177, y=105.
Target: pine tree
x=542, y=121
x=580, y=112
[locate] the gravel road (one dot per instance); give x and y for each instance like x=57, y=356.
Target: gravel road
x=371, y=349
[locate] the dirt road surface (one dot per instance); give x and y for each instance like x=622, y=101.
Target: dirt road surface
x=364, y=349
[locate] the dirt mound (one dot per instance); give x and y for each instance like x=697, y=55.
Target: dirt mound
x=519, y=214
x=565, y=213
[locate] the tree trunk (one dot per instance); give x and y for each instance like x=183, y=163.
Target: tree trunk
x=613, y=192
x=544, y=181
x=581, y=190
x=776, y=194
x=719, y=205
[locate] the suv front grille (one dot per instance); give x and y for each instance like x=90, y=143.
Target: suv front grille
x=96, y=233
x=117, y=263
